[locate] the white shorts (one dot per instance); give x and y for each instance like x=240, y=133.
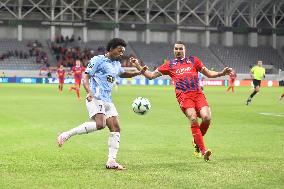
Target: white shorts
x=100, y=107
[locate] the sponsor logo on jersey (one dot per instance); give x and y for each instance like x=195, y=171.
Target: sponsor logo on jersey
x=182, y=71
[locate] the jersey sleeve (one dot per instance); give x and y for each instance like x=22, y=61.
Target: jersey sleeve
x=121, y=70
x=92, y=66
x=198, y=64
x=164, y=68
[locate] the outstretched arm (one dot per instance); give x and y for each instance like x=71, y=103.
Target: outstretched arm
x=144, y=70
x=152, y=75
x=213, y=74
x=129, y=74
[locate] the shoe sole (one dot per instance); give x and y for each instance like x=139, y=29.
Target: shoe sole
x=116, y=168
x=196, y=151
x=207, y=155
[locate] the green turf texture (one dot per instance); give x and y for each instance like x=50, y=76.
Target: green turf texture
x=248, y=147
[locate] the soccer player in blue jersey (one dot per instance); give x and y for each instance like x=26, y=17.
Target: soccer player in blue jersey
x=98, y=82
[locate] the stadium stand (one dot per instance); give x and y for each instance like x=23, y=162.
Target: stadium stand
x=242, y=58
x=24, y=55
x=153, y=54
x=33, y=55
x=67, y=52
x=209, y=59
x=69, y=23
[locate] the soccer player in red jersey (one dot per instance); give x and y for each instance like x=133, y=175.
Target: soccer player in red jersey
x=183, y=70
x=232, y=78
x=77, y=74
x=61, y=77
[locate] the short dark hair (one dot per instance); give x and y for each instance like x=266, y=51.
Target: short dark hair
x=180, y=42
x=112, y=44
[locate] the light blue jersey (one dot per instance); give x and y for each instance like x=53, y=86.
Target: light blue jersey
x=200, y=76
x=103, y=72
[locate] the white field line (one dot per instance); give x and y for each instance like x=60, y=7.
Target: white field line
x=272, y=114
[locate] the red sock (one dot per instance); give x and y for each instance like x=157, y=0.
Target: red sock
x=282, y=95
x=204, y=127
x=197, y=136
x=78, y=93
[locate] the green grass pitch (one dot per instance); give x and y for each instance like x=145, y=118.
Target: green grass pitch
x=248, y=147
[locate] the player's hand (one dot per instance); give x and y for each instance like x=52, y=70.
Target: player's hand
x=89, y=97
x=134, y=62
x=227, y=71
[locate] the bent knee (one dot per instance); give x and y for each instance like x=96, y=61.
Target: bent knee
x=206, y=118
x=192, y=118
x=101, y=125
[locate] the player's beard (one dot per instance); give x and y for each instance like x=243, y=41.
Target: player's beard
x=179, y=55
x=118, y=58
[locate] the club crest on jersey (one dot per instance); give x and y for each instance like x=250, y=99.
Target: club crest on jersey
x=182, y=71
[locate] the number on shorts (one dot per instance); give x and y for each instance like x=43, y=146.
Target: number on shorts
x=101, y=107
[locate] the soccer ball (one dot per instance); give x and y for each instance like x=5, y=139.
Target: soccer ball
x=141, y=105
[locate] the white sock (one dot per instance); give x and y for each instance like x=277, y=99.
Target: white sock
x=84, y=128
x=113, y=145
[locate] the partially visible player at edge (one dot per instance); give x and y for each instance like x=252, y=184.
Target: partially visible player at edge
x=232, y=78
x=281, y=97
x=61, y=77
x=77, y=74
x=184, y=72
x=257, y=73
x=98, y=82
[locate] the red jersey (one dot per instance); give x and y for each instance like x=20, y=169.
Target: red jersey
x=184, y=73
x=61, y=73
x=78, y=72
x=233, y=75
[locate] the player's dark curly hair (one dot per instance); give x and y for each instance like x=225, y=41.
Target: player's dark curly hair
x=112, y=44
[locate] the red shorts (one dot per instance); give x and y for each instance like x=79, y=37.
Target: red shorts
x=78, y=81
x=194, y=100
x=61, y=80
x=231, y=82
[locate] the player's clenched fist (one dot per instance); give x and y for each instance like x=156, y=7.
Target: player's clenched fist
x=135, y=62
